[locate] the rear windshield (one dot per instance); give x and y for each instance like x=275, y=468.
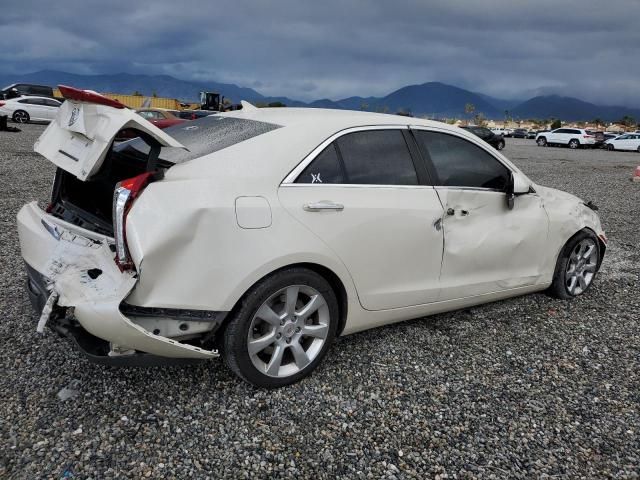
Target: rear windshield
x=202, y=137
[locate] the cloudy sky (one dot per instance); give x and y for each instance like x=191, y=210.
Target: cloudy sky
x=338, y=48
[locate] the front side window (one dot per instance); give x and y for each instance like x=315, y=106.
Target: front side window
x=460, y=163
x=371, y=157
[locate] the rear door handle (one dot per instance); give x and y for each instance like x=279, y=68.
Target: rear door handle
x=323, y=205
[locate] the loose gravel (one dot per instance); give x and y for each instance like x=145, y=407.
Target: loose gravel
x=524, y=388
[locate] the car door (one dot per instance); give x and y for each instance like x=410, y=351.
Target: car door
x=487, y=247
x=368, y=197
x=50, y=108
x=553, y=136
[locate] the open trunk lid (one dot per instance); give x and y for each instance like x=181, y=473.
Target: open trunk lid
x=82, y=133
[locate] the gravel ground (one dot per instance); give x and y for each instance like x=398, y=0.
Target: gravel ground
x=529, y=387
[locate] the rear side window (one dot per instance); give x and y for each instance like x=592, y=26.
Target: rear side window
x=202, y=137
x=377, y=157
x=371, y=157
x=460, y=163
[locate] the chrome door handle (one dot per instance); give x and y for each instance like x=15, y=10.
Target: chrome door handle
x=322, y=205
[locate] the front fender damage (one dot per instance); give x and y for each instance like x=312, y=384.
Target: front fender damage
x=84, y=276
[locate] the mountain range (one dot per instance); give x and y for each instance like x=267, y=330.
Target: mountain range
x=432, y=99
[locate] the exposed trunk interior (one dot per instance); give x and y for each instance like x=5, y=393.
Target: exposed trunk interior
x=89, y=204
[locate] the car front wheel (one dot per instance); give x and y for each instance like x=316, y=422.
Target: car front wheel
x=573, y=144
x=282, y=329
x=500, y=145
x=542, y=142
x=577, y=266
x=20, y=116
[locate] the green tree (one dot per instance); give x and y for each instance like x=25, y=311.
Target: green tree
x=627, y=121
x=276, y=104
x=597, y=121
x=137, y=94
x=556, y=124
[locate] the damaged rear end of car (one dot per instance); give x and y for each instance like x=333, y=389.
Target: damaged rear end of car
x=80, y=270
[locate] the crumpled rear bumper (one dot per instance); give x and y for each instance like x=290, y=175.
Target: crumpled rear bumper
x=79, y=266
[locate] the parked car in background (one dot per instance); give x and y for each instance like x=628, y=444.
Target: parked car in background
x=194, y=114
x=247, y=237
x=627, y=141
x=30, y=109
x=520, y=133
x=496, y=141
x=572, y=137
x=19, y=89
x=606, y=136
x=498, y=131
x=531, y=134
x=599, y=138
x=160, y=117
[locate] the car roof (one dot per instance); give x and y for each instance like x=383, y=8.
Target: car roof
x=22, y=97
x=333, y=118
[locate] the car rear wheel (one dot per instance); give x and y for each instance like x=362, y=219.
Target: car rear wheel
x=542, y=142
x=500, y=145
x=573, y=143
x=282, y=328
x=20, y=116
x=638, y=150
x=610, y=147
x=577, y=266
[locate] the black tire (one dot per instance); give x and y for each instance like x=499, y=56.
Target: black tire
x=20, y=116
x=234, y=344
x=574, y=143
x=638, y=150
x=610, y=147
x=500, y=145
x=559, y=288
x=541, y=141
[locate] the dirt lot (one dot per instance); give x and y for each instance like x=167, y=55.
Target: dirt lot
x=529, y=387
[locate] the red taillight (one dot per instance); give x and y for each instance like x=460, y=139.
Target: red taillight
x=88, y=96
x=124, y=194
x=2, y=104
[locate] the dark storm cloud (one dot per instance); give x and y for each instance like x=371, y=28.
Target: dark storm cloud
x=338, y=48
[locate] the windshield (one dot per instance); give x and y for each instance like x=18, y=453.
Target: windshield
x=202, y=137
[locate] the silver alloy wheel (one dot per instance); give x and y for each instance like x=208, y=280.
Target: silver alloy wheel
x=581, y=267
x=574, y=144
x=288, y=331
x=541, y=142
x=20, y=117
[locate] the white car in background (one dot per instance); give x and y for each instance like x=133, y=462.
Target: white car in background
x=30, y=109
x=263, y=234
x=571, y=137
x=626, y=141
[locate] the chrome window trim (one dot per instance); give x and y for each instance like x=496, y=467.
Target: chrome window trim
x=293, y=175
x=355, y=185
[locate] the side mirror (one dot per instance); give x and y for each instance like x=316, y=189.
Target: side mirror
x=518, y=185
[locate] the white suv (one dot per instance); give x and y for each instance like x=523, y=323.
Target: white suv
x=573, y=137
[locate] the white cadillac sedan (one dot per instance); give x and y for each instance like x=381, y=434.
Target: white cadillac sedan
x=262, y=234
